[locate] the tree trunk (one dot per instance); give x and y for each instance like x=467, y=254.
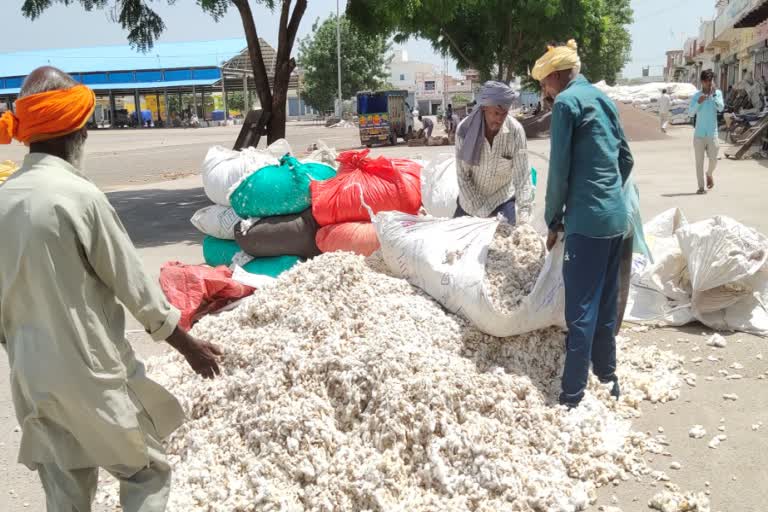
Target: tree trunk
x=284, y=66
x=280, y=100
x=254, y=52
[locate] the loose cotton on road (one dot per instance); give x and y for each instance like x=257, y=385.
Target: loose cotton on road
x=344, y=389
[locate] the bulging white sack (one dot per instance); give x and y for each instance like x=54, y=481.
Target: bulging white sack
x=223, y=168
x=721, y=254
x=216, y=221
x=440, y=186
x=446, y=258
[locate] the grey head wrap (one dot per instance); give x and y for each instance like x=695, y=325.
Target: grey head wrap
x=472, y=130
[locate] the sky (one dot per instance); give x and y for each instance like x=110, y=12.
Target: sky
x=660, y=25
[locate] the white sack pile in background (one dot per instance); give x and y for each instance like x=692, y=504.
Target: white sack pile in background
x=344, y=389
x=646, y=97
x=515, y=259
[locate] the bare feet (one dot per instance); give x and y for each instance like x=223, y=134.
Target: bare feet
x=710, y=182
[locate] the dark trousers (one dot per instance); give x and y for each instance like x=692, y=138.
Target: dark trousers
x=591, y=277
x=506, y=209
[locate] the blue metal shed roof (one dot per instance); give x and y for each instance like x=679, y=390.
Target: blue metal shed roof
x=119, y=58
x=133, y=85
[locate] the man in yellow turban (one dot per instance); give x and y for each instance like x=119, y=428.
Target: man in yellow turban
x=589, y=163
x=67, y=267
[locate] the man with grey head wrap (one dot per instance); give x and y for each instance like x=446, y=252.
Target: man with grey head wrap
x=492, y=160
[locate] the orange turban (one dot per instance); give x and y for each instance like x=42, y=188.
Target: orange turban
x=48, y=115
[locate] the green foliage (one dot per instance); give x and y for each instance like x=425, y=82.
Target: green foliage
x=459, y=100
x=503, y=38
x=236, y=100
x=143, y=24
x=364, y=60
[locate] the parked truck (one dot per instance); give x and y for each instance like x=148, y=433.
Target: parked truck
x=383, y=117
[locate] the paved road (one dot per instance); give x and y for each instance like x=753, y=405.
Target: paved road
x=125, y=157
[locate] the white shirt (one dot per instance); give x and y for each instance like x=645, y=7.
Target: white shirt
x=665, y=102
x=502, y=173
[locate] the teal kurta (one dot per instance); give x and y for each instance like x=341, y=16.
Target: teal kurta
x=589, y=162
x=66, y=264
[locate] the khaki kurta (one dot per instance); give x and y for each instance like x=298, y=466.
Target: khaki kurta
x=66, y=263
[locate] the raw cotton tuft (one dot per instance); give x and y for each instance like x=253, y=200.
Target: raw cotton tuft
x=515, y=258
x=344, y=389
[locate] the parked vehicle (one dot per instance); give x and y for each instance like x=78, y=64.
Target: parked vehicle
x=123, y=119
x=383, y=117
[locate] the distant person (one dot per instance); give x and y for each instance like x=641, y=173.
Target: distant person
x=705, y=105
x=428, y=125
x=67, y=269
x=449, y=127
x=665, y=104
x=492, y=159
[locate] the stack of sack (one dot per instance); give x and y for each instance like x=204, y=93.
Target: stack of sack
x=646, y=97
x=343, y=206
x=714, y=271
x=262, y=219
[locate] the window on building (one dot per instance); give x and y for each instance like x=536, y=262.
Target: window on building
x=429, y=85
x=402, y=77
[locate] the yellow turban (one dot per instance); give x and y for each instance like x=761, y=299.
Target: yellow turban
x=557, y=58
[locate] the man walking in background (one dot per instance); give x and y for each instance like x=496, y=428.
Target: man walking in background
x=66, y=264
x=589, y=163
x=705, y=105
x=665, y=104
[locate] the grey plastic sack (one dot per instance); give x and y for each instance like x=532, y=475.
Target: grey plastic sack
x=280, y=235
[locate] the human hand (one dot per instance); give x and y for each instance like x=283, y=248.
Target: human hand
x=551, y=239
x=703, y=98
x=201, y=355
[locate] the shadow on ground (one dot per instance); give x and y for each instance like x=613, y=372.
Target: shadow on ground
x=157, y=217
x=681, y=194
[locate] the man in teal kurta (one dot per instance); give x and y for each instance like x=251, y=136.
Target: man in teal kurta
x=66, y=265
x=589, y=162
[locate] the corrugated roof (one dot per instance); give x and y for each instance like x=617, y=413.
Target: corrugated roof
x=120, y=58
x=133, y=85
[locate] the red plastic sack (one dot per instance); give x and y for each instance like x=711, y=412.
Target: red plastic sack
x=387, y=184
x=357, y=237
x=198, y=290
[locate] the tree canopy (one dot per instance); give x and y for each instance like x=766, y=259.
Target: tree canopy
x=364, y=60
x=144, y=26
x=503, y=38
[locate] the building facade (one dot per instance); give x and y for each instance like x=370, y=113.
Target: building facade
x=430, y=88
x=734, y=44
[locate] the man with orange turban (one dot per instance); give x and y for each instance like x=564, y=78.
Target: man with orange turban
x=66, y=264
x=589, y=162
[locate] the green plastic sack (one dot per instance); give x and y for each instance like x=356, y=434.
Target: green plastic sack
x=220, y=252
x=278, y=189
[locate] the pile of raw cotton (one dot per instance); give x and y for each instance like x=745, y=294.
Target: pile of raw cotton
x=515, y=258
x=344, y=389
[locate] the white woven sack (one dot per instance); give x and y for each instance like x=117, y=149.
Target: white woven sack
x=440, y=186
x=224, y=168
x=418, y=249
x=216, y=221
